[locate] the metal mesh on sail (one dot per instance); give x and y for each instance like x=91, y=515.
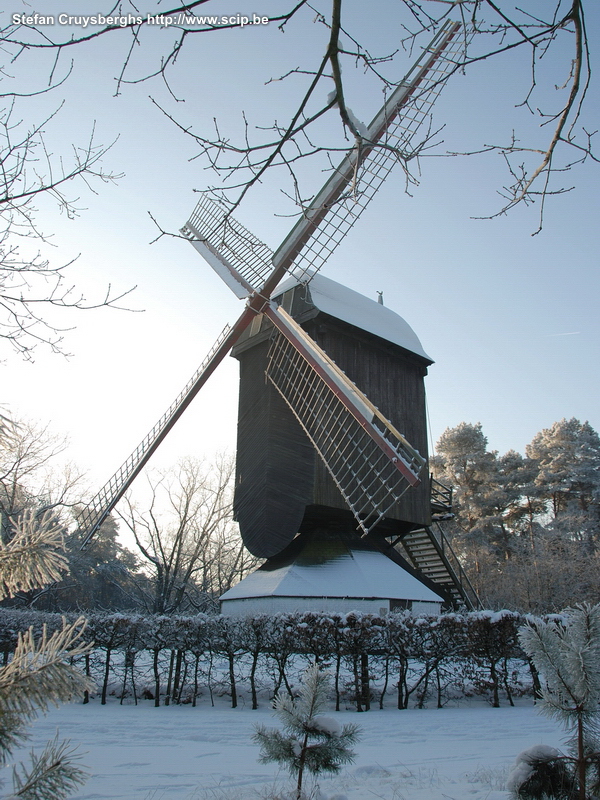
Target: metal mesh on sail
x=366, y=476
x=246, y=254
x=400, y=137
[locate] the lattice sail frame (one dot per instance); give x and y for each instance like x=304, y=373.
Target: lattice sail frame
x=245, y=263
x=236, y=255
x=371, y=463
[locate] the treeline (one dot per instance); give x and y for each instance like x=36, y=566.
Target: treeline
x=187, y=549
x=417, y=659
x=526, y=528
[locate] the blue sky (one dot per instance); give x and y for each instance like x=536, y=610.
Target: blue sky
x=510, y=319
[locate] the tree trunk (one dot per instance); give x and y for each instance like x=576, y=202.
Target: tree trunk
x=170, y=679
x=535, y=676
x=177, y=676
x=156, y=677
x=402, y=687
x=231, y=660
x=364, y=680
x=106, y=675
x=196, y=680
x=385, y=681
x=357, y=684
x=255, y=655
x=301, y=767
x=422, y=695
x=183, y=680
x=494, y=677
x=581, y=765
x=506, y=683
x=86, y=694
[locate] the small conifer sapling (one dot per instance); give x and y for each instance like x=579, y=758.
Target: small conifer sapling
x=566, y=654
x=310, y=740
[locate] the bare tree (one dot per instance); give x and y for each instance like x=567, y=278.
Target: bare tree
x=30, y=284
x=29, y=480
x=187, y=537
x=490, y=29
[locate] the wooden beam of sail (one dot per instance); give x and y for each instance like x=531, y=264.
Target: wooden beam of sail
x=371, y=463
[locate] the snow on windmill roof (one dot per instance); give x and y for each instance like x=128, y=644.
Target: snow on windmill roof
x=343, y=303
x=334, y=568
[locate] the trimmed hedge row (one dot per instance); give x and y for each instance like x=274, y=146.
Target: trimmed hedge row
x=176, y=659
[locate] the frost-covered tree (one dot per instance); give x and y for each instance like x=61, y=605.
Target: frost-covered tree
x=567, y=457
x=39, y=673
x=566, y=654
x=310, y=741
x=192, y=547
x=526, y=528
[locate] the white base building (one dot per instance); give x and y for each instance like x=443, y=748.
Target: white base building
x=331, y=573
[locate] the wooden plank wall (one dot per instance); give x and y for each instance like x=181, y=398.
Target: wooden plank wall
x=279, y=474
x=275, y=462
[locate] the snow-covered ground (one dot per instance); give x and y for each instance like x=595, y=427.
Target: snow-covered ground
x=184, y=753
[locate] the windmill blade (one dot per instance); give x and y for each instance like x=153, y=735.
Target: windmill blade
x=371, y=463
x=94, y=514
x=236, y=255
x=354, y=183
x=247, y=265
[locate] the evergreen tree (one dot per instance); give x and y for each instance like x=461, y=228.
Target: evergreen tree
x=567, y=457
x=310, y=741
x=39, y=674
x=566, y=654
x=526, y=528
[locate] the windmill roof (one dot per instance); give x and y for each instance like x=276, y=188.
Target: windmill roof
x=345, y=304
x=334, y=568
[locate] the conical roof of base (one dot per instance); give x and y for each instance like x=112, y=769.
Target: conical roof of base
x=332, y=565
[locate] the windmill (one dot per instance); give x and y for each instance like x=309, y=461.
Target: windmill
x=370, y=462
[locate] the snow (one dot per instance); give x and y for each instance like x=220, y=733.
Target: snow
x=343, y=303
x=350, y=573
x=523, y=768
x=184, y=753
x=360, y=126
x=519, y=775
x=329, y=725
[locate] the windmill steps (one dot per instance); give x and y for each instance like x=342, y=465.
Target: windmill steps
x=430, y=553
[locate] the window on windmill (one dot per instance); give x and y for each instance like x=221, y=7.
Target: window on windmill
x=255, y=324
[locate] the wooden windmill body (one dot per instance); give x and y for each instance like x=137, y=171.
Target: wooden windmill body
x=282, y=486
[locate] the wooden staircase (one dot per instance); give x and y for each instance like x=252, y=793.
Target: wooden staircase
x=429, y=552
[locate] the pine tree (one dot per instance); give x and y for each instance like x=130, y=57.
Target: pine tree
x=38, y=674
x=566, y=653
x=310, y=741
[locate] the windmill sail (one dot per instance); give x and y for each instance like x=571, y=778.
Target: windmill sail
x=251, y=270
x=389, y=139
x=94, y=514
x=371, y=463
x=236, y=255
x=247, y=265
